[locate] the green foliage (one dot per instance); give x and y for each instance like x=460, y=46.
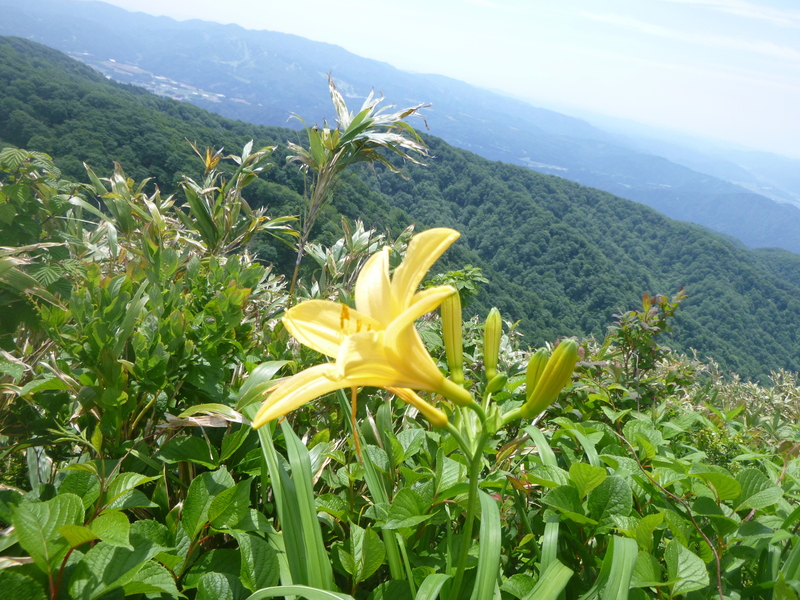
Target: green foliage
x=127, y=398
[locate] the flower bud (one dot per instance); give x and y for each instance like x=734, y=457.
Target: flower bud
x=451, y=328
x=557, y=373
x=492, y=334
x=496, y=383
x=534, y=371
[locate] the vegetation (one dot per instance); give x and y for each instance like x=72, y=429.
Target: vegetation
x=574, y=258
x=174, y=425
x=130, y=392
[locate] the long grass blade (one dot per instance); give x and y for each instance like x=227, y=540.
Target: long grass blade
x=319, y=565
x=489, y=547
x=298, y=590
x=552, y=582
x=542, y=445
x=431, y=586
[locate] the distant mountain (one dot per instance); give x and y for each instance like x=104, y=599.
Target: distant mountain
x=562, y=258
x=265, y=77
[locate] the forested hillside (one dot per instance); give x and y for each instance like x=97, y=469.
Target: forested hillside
x=562, y=258
x=264, y=77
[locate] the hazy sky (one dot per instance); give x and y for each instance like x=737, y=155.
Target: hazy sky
x=725, y=69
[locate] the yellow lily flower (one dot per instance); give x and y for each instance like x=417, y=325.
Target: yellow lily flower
x=375, y=344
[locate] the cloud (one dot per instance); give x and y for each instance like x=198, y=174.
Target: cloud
x=765, y=48
x=740, y=8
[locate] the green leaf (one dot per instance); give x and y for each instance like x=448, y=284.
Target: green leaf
x=645, y=528
x=297, y=590
x=190, y=448
x=552, y=582
x=106, y=567
x=612, y=498
x=230, y=506
x=152, y=578
x=202, y=492
x=566, y=499
x=220, y=586
x=548, y=476
x=586, y=477
x=217, y=560
x=113, y=528
x=685, y=569
x=624, y=553
x=647, y=572
x=724, y=486
x=430, y=587
x=17, y=585
x=757, y=491
x=489, y=547
x=37, y=524
x=76, y=535
x=366, y=552
x=259, y=562
x=407, y=510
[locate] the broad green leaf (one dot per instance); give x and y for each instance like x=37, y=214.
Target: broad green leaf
x=724, y=486
x=518, y=585
x=124, y=482
x=566, y=499
x=37, y=524
x=259, y=562
x=152, y=578
x=366, y=551
x=190, y=448
x=202, y=492
x=113, y=528
x=220, y=586
x=645, y=528
x=106, y=567
x=76, y=535
x=407, y=510
x=16, y=585
x=757, y=491
x=685, y=569
x=613, y=497
x=711, y=511
x=230, y=506
x=586, y=477
x=647, y=572
x=217, y=560
x=548, y=476
x=83, y=484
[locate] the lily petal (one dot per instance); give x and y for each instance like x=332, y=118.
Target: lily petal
x=436, y=417
x=323, y=325
x=298, y=390
x=424, y=249
x=373, y=290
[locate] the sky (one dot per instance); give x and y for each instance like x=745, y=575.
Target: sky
x=727, y=70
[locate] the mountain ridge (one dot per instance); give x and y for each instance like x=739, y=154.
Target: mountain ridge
x=232, y=60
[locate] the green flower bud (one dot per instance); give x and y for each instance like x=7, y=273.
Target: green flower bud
x=492, y=334
x=534, y=371
x=451, y=328
x=557, y=373
x=496, y=383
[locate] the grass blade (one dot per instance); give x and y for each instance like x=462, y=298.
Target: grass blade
x=489, y=545
x=552, y=582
